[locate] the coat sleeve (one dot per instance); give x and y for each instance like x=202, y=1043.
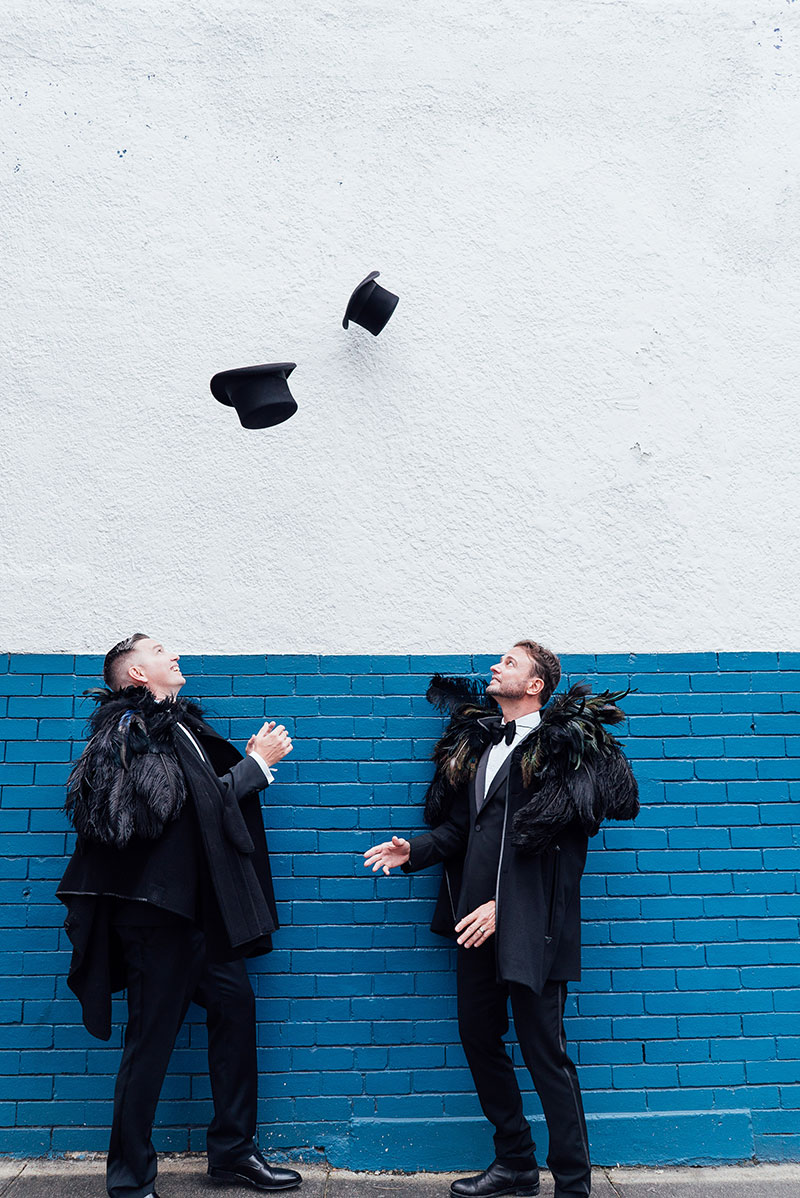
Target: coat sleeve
x=243, y=779
x=447, y=840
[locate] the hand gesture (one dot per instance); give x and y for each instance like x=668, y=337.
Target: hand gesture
x=478, y=926
x=271, y=742
x=388, y=855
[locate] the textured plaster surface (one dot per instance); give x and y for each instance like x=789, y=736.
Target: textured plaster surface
x=581, y=422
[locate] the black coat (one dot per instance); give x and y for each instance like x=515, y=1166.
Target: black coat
x=526, y=849
x=538, y=914
x=192, y=844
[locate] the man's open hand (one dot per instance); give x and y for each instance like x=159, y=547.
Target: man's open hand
x=388, y=855
x=272, y=742
x=478, y=926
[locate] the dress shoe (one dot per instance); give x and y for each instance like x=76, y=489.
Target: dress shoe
x=254, y=1171
x=496, y=1180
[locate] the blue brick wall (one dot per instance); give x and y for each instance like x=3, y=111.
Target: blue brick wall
x=686, y=1026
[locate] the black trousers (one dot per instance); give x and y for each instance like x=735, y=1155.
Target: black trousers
x=539, y=1024
x=166, y=969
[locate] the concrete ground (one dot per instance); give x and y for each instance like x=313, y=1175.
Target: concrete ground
x=185, y=1177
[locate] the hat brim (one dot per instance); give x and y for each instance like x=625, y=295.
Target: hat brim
x=358, y=299
x=221, y=380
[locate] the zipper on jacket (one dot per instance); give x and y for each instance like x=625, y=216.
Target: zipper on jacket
x=551, y=910
x=450, y=895
x=500, y=862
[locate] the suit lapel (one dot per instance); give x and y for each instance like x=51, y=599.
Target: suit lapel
x=498, y=779
x=479, y=782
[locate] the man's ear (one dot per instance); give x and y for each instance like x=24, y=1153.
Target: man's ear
x=136, y=675
x=534, y=686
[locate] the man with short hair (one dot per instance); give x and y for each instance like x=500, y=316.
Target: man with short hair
x=516, y=794
x=168, y=890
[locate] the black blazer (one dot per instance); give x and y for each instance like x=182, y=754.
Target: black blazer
x=538, y=917
x=193, y=869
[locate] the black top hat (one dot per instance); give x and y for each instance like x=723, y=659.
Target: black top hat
x=370, y=305
x=260, y=394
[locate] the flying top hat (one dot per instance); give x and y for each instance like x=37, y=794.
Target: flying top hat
x=370, y=305
x=260, y=394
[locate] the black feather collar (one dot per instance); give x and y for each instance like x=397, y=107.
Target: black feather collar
x=159, y=716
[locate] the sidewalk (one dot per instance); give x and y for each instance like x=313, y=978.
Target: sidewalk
x=185, y=1177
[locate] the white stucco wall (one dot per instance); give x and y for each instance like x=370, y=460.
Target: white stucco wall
x=582, y=421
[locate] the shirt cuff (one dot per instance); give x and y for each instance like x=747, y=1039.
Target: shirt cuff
x=267, y=771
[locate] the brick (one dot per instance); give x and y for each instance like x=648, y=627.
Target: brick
x=680, y=907
x=784, y=681
x=782, y=1072
x=571, y=663
x=750, y=883
x=725, y=859
x=712, y=1026
x=717, y=816
x=750, y=703
x=671, y=860
x=748, y=661
x=20, y=684
x=736, y=770
x=676, y=1051
x=719, y=1073
x=33, y=706
x=727, y=681
x=14, y=774
x=691, y=703
x=38, y=750
x=692, y=663
x=647, y=1077
x=722, y=725
x=663, y=683
x=767, y=836
x=671, y=955
x=779, y=723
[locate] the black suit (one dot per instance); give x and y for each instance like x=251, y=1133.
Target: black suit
x=535, y=950
x=170, y=919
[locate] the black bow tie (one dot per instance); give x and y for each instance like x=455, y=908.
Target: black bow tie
x=500, y=731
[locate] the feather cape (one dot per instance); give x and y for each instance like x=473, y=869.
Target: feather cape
x=127, y=782
x=572, y=765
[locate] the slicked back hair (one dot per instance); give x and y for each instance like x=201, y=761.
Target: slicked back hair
x=114, y=671
x=545, y=666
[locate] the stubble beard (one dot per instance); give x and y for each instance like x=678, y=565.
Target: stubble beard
x=506, y=691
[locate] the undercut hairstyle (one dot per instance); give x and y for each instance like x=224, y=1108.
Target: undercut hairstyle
x=115, y=664
x=545, y=665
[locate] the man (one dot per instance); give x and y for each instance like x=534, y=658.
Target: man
x=168, y=889
x=511, y=806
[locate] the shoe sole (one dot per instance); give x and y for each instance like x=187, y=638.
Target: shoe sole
x=522, y=1191
x=222, y=1176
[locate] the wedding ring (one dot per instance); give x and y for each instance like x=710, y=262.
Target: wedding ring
x=482, y=931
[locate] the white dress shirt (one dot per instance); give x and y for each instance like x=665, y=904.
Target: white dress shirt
x=498, y=753
x=256, y=756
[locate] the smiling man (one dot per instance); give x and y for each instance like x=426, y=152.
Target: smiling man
x=516, y=794
x=168, y=889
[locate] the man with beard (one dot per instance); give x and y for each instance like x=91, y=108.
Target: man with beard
x=516, y=794
x=168, y=890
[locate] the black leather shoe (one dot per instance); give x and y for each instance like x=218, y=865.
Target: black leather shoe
x=254, y=1171
x=496, y=1180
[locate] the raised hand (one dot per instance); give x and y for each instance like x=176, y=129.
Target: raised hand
x=389, y=855
x=272, y=742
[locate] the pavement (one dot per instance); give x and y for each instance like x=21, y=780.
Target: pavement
x=185, y=1177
